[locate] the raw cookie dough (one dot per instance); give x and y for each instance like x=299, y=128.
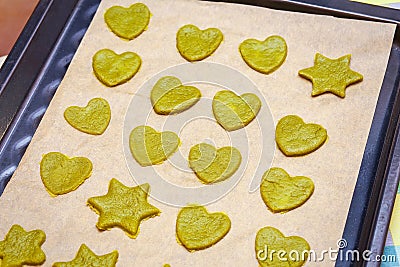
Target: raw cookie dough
x=128, y=23
x=85, y=257
x=123, y=207
x=233, y=112
x=214, y=165
x=169, y=96
x=264, y=56
x=197, y=229
x=150, y=147
x=282, y=193
x=270, y=239
x=195, y=44
x=112, y=69
x=61, y=174
x=20, y=248
x=92, y=119
x=331, y=75
x=296, y=138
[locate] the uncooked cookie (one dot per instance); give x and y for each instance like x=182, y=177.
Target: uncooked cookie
x=234, y=112
x=112, y=69
x=169, y=96
x=61, y=174
x=214, y=165
x=195, y=44
x=123, y=207
x=85, y=257
x=21, y=248
x=149, y=147
x=282, y=193
x=269, y=239
x=197, y=229
x=92, y=119
x=264, y=56
x=128, y=23
x=296, y=138
x=331, y=75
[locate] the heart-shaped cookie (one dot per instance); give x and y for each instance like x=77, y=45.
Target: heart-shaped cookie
x=92, y=119
x=281, y=192
x=195, y=44
x=128, y=23
x=233, y=112
x=296, y=138
x=169, y=96
x=61, y=174
x=113, y=69
x=211, y=165
x=264, y=56
x=274, y=249
x=150, y=147
x=197, y=229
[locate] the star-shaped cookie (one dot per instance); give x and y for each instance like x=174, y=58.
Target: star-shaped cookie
x=22, y=248
x=86, y=257
x=123, y=207
x=331, y=75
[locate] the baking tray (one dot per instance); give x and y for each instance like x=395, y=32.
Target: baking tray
x=41, y=55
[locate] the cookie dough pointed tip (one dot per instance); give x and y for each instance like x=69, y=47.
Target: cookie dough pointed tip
x=145, y=187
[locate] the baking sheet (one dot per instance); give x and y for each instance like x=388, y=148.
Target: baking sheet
x=333, y=168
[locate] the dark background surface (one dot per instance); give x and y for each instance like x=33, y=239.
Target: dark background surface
x=14, y=15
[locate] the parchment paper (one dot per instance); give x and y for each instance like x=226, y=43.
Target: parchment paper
x=68, y=222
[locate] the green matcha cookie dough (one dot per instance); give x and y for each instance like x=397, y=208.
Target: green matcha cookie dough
x=92, y=119
x=195, y=44
x=21, y=248
x=61, y=174
x=264, y=56
x=269, y=239
x=331, y=75
x=214, y=165
x=112, y=69
x=128, y=23
x=85, y=258
x=296, y=138
x=196, y=229
x=150, y=147
x=169, y=96
x=234, y=112
x=282, y=193
x=123, y=207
